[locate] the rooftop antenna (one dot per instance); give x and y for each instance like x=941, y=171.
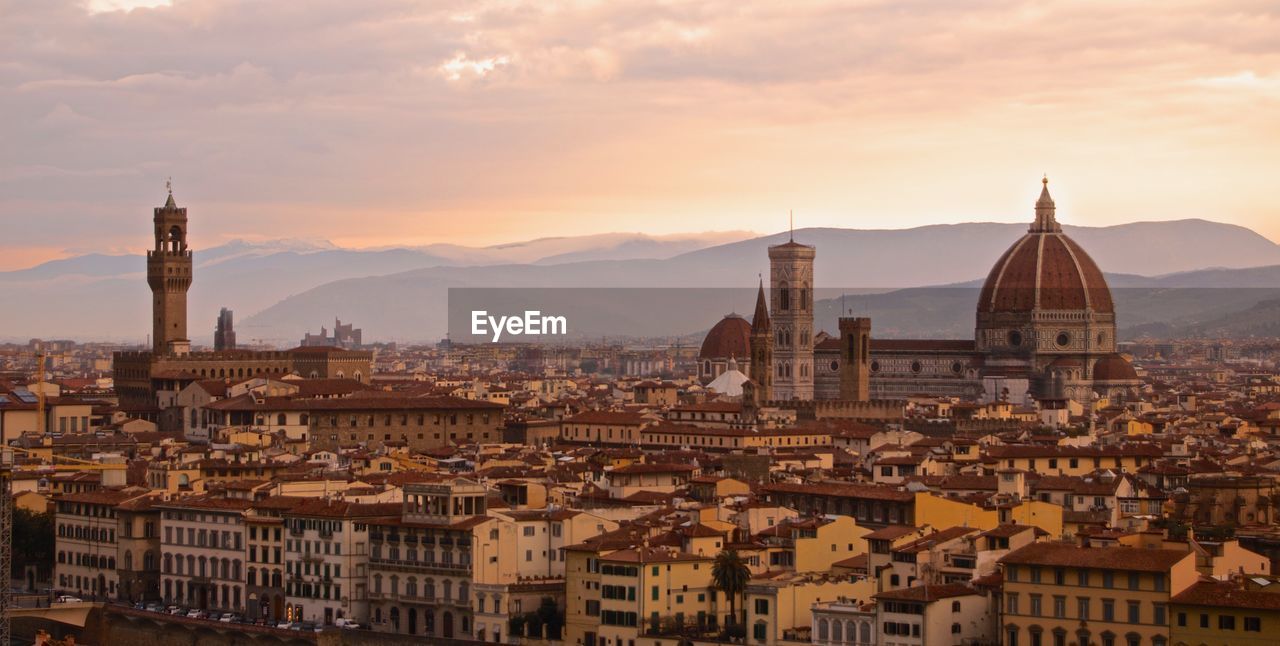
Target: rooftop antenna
x=792, y=215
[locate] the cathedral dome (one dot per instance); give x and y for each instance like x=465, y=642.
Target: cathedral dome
x=731, y=337
x=1045, y=270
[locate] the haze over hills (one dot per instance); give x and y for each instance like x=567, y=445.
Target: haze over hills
x=280, y=290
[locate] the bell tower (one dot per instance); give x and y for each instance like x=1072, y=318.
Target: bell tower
x=791, y=315
x=169, y=275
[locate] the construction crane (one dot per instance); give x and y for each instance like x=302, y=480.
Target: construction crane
x=7, y=469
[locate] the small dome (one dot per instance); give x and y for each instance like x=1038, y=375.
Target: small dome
x=731, y=337
x=1114, y=367
x=729, y=383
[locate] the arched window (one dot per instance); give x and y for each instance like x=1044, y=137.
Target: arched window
x=281, y=419
x=837, y=630
x=823, y=631
x=784, y=297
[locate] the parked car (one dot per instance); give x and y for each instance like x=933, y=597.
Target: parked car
x=66, y=598
x=177, y=610
x=230, y=617
x=153, y=607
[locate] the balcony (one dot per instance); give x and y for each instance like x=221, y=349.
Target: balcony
x=421, y=566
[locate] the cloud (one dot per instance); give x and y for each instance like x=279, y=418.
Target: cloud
x=491, y=120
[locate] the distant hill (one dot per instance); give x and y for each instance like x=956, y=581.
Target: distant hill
x=398, y=293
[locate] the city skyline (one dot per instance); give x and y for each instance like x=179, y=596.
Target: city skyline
x=488, y=124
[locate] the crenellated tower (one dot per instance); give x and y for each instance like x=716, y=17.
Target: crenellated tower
x=169, y=275
x=855, y=362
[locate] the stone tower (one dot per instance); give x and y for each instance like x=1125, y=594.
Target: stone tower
x=169, y=275
x=855, y=358
x=761, y=367
x=791, y=296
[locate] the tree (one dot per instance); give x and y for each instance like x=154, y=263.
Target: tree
x=551, y=617
x=33, y=542
x=729, y=574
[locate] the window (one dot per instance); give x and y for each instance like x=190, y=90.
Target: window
x=1011, y=603
x=1253, y=624
x=1158, y=614
x=1083, y=608
x=1134, y=611
x=762, y=606
x=1035, y=605
x=1134, y=581
x=1108, y=610
x=955, y=629
x=1060, y=607
x=1226, y=622
x=1182, y=619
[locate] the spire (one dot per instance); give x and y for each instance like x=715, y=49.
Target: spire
x=1045, y=220
x=169, y=203
x=791, y=215
x=760, y=320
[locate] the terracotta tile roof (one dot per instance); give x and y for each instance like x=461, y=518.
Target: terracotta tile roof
x=1105, y=558
x=928, y=593
x=842, y=490
x=1227, y=594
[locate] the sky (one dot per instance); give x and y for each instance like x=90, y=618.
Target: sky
x=389, y=122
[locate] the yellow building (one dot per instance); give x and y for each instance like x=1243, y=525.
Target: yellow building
x=1225, y=613
x=1075, y=460
x=1060, y=593
x=779, y=608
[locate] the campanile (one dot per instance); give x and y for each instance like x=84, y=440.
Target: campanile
x=169, y=275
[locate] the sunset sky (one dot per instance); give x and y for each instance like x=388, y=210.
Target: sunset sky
x=380, y=122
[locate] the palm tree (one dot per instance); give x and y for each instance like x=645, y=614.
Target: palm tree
x=730, y=575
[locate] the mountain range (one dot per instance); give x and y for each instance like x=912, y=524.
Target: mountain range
x=281, y=289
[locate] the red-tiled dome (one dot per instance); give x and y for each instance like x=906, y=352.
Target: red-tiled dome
x=1045, y=270
x=1114, y=367
x=731, y=337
